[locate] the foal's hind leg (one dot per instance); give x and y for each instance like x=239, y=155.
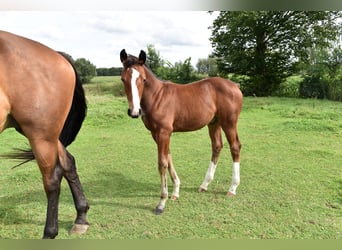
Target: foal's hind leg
x=235, y=147
x=216, y=143
x=174, y=178
x=67, y=162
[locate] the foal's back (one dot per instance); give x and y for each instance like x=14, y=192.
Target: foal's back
x=196, y=104
x=209, y=93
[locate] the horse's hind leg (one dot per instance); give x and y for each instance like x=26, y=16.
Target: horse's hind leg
x=235, y=148
x=46, y=155
x=216, y=143
x=67, y=162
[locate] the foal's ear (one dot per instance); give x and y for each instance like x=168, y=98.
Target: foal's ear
x=142, y=57
x=123, y=55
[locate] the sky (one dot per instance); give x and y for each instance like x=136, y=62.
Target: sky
x=99, y=36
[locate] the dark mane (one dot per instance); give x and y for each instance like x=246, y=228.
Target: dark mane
x=133, y=60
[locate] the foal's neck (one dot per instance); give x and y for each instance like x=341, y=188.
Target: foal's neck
x=153, y=84
x=152, y=87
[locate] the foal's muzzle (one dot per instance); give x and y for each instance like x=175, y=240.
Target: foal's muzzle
x=129, y=112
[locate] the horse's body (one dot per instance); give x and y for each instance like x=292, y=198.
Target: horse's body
x=42, y=97
x=168, y=107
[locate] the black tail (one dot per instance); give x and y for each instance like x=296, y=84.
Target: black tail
x=77, y=111
x=72, y=124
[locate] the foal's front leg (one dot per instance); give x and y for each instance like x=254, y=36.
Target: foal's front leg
x=163, y=140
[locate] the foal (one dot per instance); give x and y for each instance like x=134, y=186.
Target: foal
x=168, y=107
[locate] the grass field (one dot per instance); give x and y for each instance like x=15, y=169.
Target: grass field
x=291, y=178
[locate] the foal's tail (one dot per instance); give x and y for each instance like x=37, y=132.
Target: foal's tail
x=77, y=111
x=72, y=124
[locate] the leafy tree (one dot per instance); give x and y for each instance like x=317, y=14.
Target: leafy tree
x=153, y=60
x=323, y=76
x=180, y=72
x=184, y=71
x=86, y=69
x=267, y=45
x=207, y=66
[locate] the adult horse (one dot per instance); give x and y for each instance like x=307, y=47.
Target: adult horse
x=167, y=107
x=42, y=97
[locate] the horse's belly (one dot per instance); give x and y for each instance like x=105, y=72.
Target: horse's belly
x=191, y=123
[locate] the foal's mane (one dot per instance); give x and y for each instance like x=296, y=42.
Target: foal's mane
x=130, y=61
x=133, y=60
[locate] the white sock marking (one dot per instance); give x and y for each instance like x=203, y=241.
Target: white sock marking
x=176, y=186
x=235, y=178
x=209, y=175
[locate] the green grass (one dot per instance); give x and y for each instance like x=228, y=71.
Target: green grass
x=291, y=181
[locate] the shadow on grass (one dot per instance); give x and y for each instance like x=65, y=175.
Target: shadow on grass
x=107, y=189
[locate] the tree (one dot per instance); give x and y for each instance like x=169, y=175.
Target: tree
x=207, y=66
x=86, y=69
x=184, y=71
x=267, y=45
x=153, y=59
x=180, y=72
x=323, y=76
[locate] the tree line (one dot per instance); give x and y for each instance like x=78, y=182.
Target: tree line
x=260, y=50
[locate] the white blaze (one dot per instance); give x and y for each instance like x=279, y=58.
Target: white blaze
x=135, y=93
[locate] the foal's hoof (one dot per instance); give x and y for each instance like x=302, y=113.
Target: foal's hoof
x=174, y=197
x=78, y=229
x=158, y=211
x=202, y=190
x=230, y=194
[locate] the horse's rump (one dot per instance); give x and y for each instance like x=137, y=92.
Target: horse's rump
x=33, y=83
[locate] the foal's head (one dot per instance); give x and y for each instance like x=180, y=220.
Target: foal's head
x=133, y=77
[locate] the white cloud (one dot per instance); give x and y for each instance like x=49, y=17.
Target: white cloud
x=99, y=36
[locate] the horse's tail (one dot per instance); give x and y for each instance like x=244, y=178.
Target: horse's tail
x=72, y=123
x=77, y=111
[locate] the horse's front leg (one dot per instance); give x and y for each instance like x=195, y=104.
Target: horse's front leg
x=163, y=140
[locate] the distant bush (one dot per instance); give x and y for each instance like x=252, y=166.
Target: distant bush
x=290, y=87
x=244, y=82
x=313, y=86
x=86, y=69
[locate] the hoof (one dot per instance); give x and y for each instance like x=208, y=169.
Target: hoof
x=78, y=229
x=158, y=211
x=230, y=194
x=202, y=190
x=173, y=197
